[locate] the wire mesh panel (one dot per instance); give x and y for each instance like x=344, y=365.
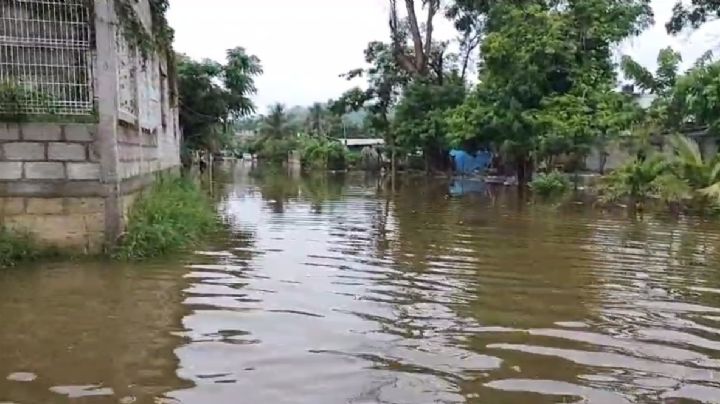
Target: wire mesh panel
x=46, y=57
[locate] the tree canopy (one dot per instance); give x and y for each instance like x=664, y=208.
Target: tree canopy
x=214, y=94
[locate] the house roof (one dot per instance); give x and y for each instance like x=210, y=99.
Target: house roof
x=362, y=142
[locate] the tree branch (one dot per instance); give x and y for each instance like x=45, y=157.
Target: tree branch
x=420, y=59
x=470, y=43
x=433, y=6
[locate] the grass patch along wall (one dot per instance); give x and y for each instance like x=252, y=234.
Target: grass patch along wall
x=172, y=215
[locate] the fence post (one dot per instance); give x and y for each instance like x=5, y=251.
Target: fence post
x=106, y=82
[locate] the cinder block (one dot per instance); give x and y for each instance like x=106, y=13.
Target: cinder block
x=94, y=222
x=45, y=171
x=24, y=151
x=79, y=132
x=10, y=171
x=83, y=171
x=44, y=206
x=66, y=152
x=85, y=205
x=12, y=206
x=41, y=131
x=9, y=131
x=94, y=153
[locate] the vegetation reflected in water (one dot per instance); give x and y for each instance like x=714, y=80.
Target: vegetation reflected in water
x=331, y=289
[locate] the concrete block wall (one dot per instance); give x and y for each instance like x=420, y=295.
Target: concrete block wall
x=49, y=152
x=144, y=152
x=75, y=224
x=42, y=167
x=72, y=184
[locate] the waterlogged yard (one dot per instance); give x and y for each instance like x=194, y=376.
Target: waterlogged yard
x=332, y=290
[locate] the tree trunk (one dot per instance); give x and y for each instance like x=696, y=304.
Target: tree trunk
x=524, y=170
x=603, y=162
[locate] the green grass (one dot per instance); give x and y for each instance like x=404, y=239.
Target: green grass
x=172, y=215
x=17, y=248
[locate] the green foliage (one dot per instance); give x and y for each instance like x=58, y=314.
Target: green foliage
x=692, y=15
x=635, y=181
x=546, y=76
x=276, y=124
x=696, y=97
x=665, y=76
x=273, y=150
x=353, y=159
x=420, y=116
x=701, y=175
x=16, y=248
x=385, y=82
x=161, y=37
x=550, y=184
x=15, y=98
x=322, y=153
x=174, y=214
x=212, y=95
x=678, y=178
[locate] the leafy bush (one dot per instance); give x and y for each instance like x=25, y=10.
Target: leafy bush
x=15, y=99
x=641, y=179
x=352, y=159
x=275, y=150
x=321, y=153
x=16, y=247
x=550, y=184
x=172, y=215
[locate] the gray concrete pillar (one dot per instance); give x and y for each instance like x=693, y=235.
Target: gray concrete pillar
x=106, y=86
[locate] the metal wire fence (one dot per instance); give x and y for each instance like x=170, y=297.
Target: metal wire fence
x=46, y=57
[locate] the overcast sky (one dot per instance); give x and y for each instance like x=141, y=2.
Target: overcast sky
x=305, y=45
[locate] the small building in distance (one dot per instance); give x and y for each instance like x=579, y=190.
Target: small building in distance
x=359, y=144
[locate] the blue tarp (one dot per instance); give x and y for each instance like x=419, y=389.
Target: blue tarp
x=466, y=163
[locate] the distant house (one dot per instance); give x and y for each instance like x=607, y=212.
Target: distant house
x=361, y=143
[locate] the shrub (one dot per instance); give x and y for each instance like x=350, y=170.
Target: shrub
x=16, y=248
x=550, y=184
x=172, y=215
x=274, y=150
x=323, y=154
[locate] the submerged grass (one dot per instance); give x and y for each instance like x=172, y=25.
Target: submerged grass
x=172, y=215
x=17, y=248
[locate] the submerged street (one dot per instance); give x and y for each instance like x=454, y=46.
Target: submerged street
x=331, y=290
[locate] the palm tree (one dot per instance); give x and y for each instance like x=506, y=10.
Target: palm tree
x=636, y=181
x=239, y=78
x=699, y=173
x=275, y=124
x=315, y=120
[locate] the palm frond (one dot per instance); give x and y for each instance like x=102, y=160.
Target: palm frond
x=687, y=151
x=712, y=192
x=670, y=188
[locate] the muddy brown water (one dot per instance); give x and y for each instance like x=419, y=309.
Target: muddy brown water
x=329, y=290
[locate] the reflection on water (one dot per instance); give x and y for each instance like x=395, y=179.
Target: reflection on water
x=331, y=290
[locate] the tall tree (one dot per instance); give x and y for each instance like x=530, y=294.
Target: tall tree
x=212, y=95
x=385, y=81
x=539, y=56
x=315, y=120
x=275, y=124
x=415, y=62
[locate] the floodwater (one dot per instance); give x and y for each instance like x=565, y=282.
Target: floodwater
x=332, y=290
